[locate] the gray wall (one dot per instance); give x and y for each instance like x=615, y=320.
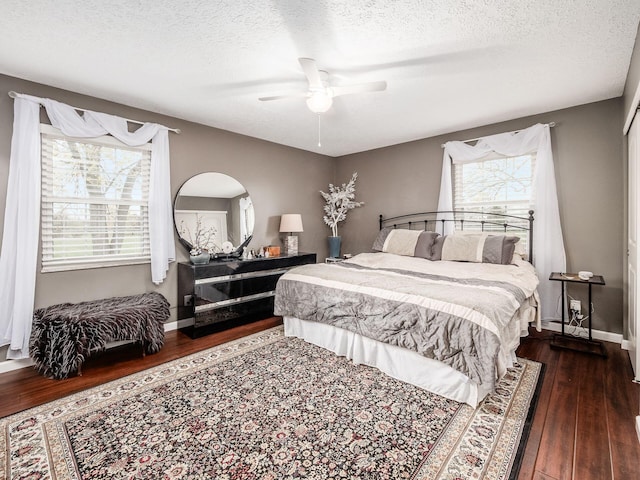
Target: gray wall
x=588, y=153
x=279, y=179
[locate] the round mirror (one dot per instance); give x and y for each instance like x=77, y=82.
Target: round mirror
x=213, y=212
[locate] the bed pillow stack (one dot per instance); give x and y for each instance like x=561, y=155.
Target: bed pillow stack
x=460, y=247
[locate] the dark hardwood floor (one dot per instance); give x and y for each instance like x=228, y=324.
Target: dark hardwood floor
x=583, y=429
x=584, y=426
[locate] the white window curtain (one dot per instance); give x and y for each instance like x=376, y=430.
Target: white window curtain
x=18, y=258
x=548, y=245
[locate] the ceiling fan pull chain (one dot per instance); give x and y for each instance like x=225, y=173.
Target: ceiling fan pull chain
x=319, y=144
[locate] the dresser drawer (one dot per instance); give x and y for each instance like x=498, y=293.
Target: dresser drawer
x=258, y=305
x=219, y=289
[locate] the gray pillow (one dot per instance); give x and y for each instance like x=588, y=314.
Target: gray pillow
x=497, y=249
x=378, y=243
x=436, y=250
x=492, y=251
x=508, y=249
x=424, y=247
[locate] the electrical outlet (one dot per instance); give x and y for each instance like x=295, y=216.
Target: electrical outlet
x=188, y=300
x=575, y=306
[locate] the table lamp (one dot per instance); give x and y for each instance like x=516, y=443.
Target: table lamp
x=291, y=222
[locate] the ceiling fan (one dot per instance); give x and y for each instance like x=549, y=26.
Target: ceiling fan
x=320, y=94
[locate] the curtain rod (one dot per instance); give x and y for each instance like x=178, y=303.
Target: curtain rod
x=551, y=125
x=13, y=94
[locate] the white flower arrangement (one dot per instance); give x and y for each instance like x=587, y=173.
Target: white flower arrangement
x=339, y=201
x=201, y=239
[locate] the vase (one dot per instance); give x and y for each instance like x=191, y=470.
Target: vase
x=334, y=247
x=201, y=259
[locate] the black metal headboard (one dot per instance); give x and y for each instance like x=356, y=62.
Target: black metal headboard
x=480, y=221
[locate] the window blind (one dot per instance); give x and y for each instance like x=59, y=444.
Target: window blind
x=500, y=185
x=94, y=202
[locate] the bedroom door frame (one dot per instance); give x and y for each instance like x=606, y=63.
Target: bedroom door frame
x=633, y=292
x=633, y=315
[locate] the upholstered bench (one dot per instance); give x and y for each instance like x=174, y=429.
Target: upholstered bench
x=64, y=335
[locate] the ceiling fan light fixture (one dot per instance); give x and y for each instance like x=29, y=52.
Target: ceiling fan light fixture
x=320, y=101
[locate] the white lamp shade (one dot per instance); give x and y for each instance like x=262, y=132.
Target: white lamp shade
x=291, y=222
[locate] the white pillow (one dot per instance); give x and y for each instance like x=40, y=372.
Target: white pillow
x=464, y=248
x=401, y=242
x=521, y=251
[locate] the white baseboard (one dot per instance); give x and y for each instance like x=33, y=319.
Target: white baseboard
x=11, y=365
x=638, y=426
x=187, y=322
x=596, y=334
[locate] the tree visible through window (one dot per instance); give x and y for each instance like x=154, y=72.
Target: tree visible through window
x=94, y=203
x=495, y=185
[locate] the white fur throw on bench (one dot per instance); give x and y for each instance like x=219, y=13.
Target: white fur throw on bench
x=64, y=335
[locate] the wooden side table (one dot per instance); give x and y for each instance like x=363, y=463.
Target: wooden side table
x=573, y=342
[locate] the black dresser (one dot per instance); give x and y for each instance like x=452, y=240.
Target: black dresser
x=224, y=293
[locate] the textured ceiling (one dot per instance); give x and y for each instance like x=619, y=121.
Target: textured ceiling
x=450, y=65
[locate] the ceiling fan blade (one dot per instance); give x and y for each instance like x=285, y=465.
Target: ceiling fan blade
x=359, y=88
x=312, y=73
x=279, y=97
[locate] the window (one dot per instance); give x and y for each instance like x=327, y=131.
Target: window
x=94, y=202
x=501, y=185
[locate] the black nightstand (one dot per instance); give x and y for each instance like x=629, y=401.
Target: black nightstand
x=572, y=342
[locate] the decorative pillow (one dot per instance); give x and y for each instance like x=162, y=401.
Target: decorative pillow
x=424, y=247
x=464, y=248
x=401, y=242
x=420, y=241
x=436, y=250
x=510, y=245
x=497, y=249
x=378, y=243
x=521, y=251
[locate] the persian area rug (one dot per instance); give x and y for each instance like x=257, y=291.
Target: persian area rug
x=268, y=407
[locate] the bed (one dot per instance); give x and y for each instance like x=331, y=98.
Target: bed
x=442, y=312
